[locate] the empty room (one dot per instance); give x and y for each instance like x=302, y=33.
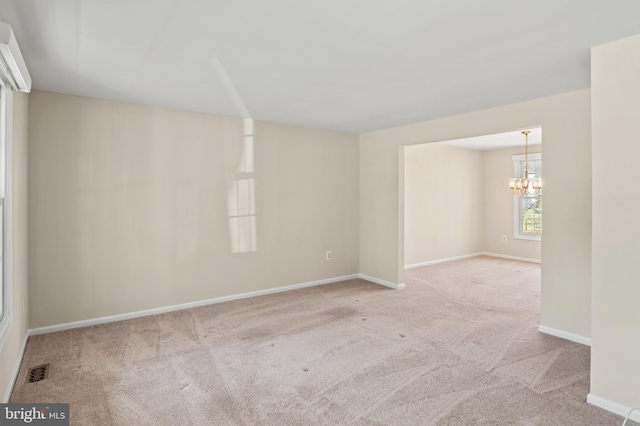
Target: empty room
x=368, y=213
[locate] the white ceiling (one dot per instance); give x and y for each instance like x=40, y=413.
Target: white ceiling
x=498, y=141
x=351, y=65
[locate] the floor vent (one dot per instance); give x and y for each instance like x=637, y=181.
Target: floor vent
x=37, y=373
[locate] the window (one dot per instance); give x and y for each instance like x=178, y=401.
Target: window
x=13, y=76
x=2, y=196
x=6, y=103
x=528, y=208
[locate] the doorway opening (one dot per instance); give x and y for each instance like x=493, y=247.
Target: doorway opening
x=458, y=204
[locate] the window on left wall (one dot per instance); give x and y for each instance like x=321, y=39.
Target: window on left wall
x=14, y=76
x=2, y=194
x=6, y=108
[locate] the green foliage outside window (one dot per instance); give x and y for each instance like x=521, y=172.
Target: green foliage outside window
x=532, y=215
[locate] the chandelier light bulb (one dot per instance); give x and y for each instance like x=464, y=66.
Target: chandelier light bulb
x=520, y=186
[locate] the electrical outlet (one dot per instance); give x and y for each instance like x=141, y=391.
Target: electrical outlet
x=504, y=238
x=328, y=256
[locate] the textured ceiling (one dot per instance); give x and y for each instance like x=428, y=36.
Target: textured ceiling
x=351, y=65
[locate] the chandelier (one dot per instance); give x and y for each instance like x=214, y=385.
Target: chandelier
x=524, y=185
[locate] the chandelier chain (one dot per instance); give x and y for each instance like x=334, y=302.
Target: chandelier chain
x=523, y=185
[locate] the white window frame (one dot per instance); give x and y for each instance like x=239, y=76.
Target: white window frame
x=6, y=154
x=13, y=76
x=517, y=205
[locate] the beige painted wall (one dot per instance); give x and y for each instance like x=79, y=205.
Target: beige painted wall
x=128, y=207
x=11, y=354
x=566, y=248
x=615, y=375
x=443, y=202
x=457, y=202
x=498, y=206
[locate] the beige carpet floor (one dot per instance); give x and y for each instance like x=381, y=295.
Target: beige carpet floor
x=459, y=346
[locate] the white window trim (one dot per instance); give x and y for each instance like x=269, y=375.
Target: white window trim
x=13, y=76
x=521, y=157
x=517, y=216
x=6, y=139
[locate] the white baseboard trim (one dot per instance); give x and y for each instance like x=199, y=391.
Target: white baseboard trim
x=382, y=282
x=16, y=370
x=433, y=262
x=613, y=407
x=506, y=256
x=466, y=256
x=181, y=306
x=565, y=335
